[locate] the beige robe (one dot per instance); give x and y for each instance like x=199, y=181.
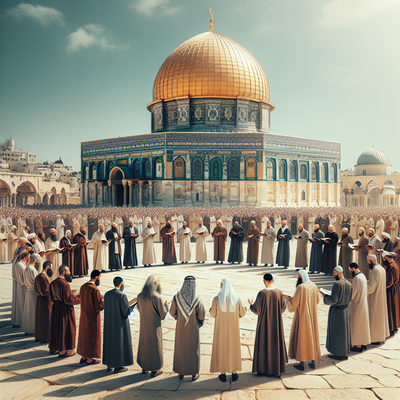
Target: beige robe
x=359, y=314
x=156, y=226
x=18, y=272
x=267, y=254
x=301, y=260
x=184, y=244
x=3, y=248
x=28, y=316
x=201, y=248
x=12, y=245
x=304, y=335
x=380, y=226
x=149, y=253
x=394, y=229
x=377, y=304
x=76, y=226
x=226, y=353
x=100, y=253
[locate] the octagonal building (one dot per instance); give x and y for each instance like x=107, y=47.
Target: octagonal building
x=210, y=141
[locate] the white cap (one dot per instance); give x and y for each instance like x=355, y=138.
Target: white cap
x=339, y=268
x=31, y=235
x=386, y=235
x=372, y=257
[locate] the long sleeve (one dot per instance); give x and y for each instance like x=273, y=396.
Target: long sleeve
x=160, y=308
x=124, y=306
x=213, y=309
x=332, y=299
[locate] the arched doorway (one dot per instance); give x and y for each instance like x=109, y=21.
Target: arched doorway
x=5, y=194
x=26, y=194
x=117, y=194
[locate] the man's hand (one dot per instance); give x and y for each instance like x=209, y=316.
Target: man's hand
x=250, y=301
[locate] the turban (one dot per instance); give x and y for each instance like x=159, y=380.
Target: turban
x=386, y=254
x=372, y=257
x=386, y=235
x=31, y=235
x=339, y=268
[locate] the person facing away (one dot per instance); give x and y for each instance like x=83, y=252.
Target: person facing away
x=338, y=330
x=117, y=340
x=188, y=310
x=304, y=335
x=270, y=355
x=152, y=311
x=359, y=315
x=89, y=340
x=226, y=355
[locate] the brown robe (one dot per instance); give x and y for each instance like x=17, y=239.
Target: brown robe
x=362, y=255
x=67, y=255
x=43, y=308
x=89, y=341
x=81, y=265
x=38, y=224
x=169, y=254
x=62, y=322
x=270, y=355
x=346, y=255
x=219, y=243
x=393, y=294
x=253, y=245
x=68, y=223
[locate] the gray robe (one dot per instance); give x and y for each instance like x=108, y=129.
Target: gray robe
x=302, y=250
x=267, y=254
x=338, y=330
x=117, y=341
x=362, y=256
x=346, y=255
x=316, y=252
x=187, y=339
x=150, y=349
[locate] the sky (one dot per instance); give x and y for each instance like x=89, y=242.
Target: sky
x=78, y=70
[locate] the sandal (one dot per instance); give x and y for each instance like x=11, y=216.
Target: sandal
x=300, y=367
x=181, y=376
x=93, y=362
x=195, y=377
x=144, y=372
x=156, y=373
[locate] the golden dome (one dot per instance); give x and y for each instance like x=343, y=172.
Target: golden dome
x=211, y=65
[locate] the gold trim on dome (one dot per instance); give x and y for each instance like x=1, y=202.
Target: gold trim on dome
x=211, y=65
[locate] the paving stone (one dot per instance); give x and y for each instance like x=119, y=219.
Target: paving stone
x=239, y=395
x=20, y=387
x=343, y=381
x=352, y=365
x=254, y=381
x=162, y=382
x=87, y=393
x=388, y=380
x=281, y=395
x=154, y=395
x=304, y=382
x=340, y=394
x=387, y=393
x=52, y=392
x=245, y=353
x=205, y=382
x=395, y=354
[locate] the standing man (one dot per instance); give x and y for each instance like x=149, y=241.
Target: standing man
x=304, y=335
x=270, y=355
x=283, y=253
x=89, y=341
x=117, y=340
x=167, y=233
x=20, y=292
x=316, y=250
x=377, y=303
x=330, y=251
x=236, y=247
x=201, y=233
x=130, y=255
x=81, y=264
x=359, y=315
x=253, y=237
x=267, y=254
x=52, y=251
x=149, y=253
x=12, y=242
x=184, y=235
x=152, y=311
x=338, y=330
x=100, y=244
x=43, y=303
x=60, y=225
x=67, y=253
x=114, y=248
x=362, y=252
x=346, y=252
x=301, y=261
x=219, y=234
x=62, y=323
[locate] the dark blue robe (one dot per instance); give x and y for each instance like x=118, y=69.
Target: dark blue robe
x=236, y=249
x=283, y=252
x=316, y=252
x=329, y=258
x=114, y=260
x=130, y=255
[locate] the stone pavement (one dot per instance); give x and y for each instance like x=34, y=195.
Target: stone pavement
x=27, y=371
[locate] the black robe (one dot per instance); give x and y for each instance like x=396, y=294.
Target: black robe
x=117, y=341
x=330, y=253
x=387, y=246
x=316, y=252
x=325, y=225
x=236, y=248
x=245, y=224
x=234, y=219
x=92, y=228
x=114, y=260
x=67, y=254
x=283, y=252
x=130, y=256
x=293, y=224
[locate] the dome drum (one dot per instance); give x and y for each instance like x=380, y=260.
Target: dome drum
x=210, y=115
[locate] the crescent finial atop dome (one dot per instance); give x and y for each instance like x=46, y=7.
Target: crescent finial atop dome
x=211, y=11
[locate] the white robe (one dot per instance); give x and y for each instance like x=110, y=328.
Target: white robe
x=180, y=222
x=21, y=292
x=377, y=304
x=278, y=223
x=76, y=226
x=9, y=224
x=140, y=229
x=120, y=225
x=21, y=226
x=264, y=221
x=3, y=248
x=149, y=253
x=184, y=243
x=359, y=314
x=394, y=229
x=12, y=245
x=267, y=254
x=28, y=316
x=100, y=253
x=353, y=226
x=4, y=225
x=380, y=226
x=201, y=249
x=60, y=228
x=107, y=224
x=54, y=257
x=213, y=224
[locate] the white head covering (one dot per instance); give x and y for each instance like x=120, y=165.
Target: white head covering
x=386, y=253
x=227, y=295
x=69, y=231
x=372, y=257
x=339, y=268
x=31, y=235
x=304, y=275
x=385, y=234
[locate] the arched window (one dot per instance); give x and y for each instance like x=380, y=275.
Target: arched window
x=147, y=168
x=282, y=170
x=303, y=195
x=179, y=168
x=333, y=173
x=93, y=172
x=198, y=169
x=251, y=168
x=158, y=164
x=324, y=173
x=303, y=172
x=271, y=170
x=292, y=171
x=136, y=169
x=314, y=172
x=216, y=169
x=100, y=170
x=110, y=166
x=233, y=169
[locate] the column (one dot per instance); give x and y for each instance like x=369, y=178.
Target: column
x=151, y=193
x=206, y=193
x=381, y=200
x=130, y=183
x=140, y=193
x=95, y=194
x=109, y=193
x=113, y=195
x=83, y=193
x=86, y=192
x=125, y=183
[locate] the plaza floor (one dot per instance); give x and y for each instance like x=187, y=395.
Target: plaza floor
x=27, y=371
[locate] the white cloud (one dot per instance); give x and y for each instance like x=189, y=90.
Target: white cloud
x=92, y=35
x=345, y=13
x=151, y=8
x=44, y=15
x=339, y=76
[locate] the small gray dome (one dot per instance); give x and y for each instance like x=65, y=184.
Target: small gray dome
x=373, y=156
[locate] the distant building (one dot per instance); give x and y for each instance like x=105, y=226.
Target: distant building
x=9, y=153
